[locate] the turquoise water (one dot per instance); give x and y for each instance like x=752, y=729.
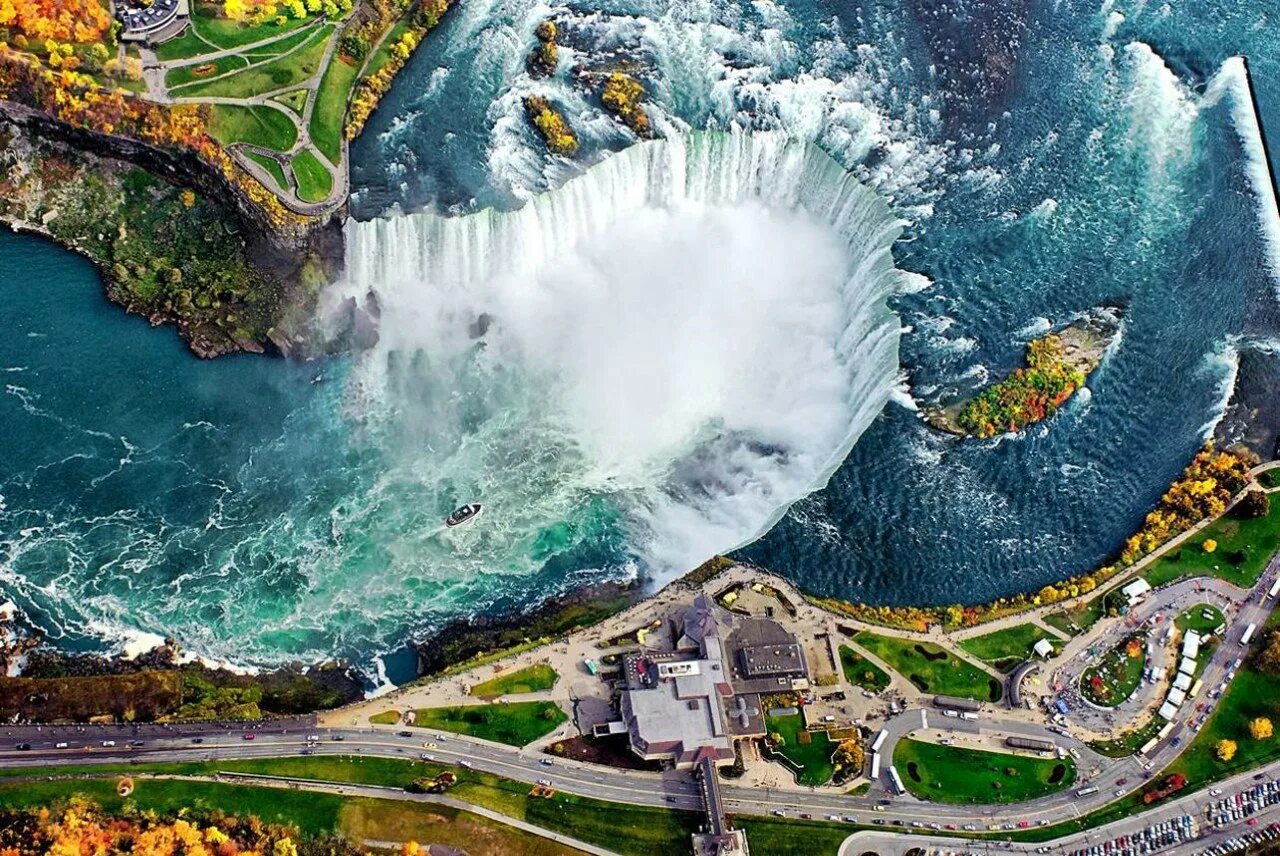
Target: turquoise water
x=1044, y=159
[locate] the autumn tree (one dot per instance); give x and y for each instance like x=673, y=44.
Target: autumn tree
x=1260, y=728
x=1225, y=750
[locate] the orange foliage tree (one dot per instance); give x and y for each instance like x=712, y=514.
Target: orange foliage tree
x=80, y=21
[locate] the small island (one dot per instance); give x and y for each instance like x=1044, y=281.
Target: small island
x=1057, y=366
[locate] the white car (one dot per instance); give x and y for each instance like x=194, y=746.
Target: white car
x=464, y=762
x=108, y=742
x=546, y=783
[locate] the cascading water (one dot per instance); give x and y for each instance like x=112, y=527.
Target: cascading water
x=677, y=344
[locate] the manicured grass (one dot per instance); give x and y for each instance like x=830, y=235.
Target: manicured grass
x=272, y=166
x=861, y=672
x=952, y=774
x=1244, y=545
x=295, y=100
x=258, y=125
x=186, y=46
x=1194, y=619
x=387, y=717
x=1251, y=694
x=1006, y=648
x=314, y=181
x=517, y=724
x=207, y=20
x=310, y=812
x=202, y=71
x=329, y=113
x=626, y=829
x=443, y=826
x=1114, y=678
x=530, y=679
x=1078, y=618
x=281, y=73
x=931, y=668
x=811, y=751
x=280, y=45
x=1270, y=478
x=777, y=836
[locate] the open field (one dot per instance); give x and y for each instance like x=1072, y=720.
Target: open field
x=530, y=679
x=952, y=774
x=1243, y=546
x=631, y=830
x=331, y=107
x=861, y=672
x=811, y=751
x=256, y=125
x=1202, y=618
x=1006, y=648
x=1076, y=619
x=266, y=76
x=314, y=181
x=272, y=166
x=516, y=724
x=931, y=668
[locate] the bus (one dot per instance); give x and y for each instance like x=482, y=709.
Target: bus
x=1248, y=634
x=898, y=787
x=875, y=766
x=1084, y=792
x=879, y=741
x=1275, y=588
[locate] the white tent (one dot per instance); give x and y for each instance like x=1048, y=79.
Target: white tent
x=1188, y=666
x=1044, y=648
x=1176, y=697
x=1191, y=644
x=1136, y=590
x=1168, y=711
x=1182, y=682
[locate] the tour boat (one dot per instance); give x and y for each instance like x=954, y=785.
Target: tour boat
x=462, y=515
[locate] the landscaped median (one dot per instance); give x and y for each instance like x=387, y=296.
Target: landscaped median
x=955, y=774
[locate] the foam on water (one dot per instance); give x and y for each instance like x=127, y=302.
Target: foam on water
x=697, y=414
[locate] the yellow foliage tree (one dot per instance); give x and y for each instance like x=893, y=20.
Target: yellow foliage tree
x=1261, y=728
x=1225, y=750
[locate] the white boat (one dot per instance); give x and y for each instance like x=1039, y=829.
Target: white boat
x=465, y=514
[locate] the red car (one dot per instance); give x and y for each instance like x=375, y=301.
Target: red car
x=248, y=736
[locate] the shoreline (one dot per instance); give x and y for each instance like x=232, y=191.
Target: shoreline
x=467, y=643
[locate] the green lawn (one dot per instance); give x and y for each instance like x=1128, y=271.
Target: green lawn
x=386, y=717
x=776, y=836
x=295, y=100
x=272, y=166
x=517, y=724
x=202, y=71
x=1078, y=618
x=280, y=45
x=327, y=117
x=1195, y=619
x=1006, y=648
x=951, y=774
x=208, y=22
x=281, y=73
x=1244, y=545
x=314, y=180
x=258, y=125
x=1251, y=694
x=311, y=812
x=530, y=679
x=186, y=46
x=1270, y=478
x=931, y=668
x=811, y=751
x=861, y=672
x=1114, y=678
x=631, y=830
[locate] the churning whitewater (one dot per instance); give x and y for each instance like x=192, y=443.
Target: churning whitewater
x=679, y=343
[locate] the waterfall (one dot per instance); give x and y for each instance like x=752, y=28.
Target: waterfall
x=677, y=344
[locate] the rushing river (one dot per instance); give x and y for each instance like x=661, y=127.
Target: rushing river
x=696, y=342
